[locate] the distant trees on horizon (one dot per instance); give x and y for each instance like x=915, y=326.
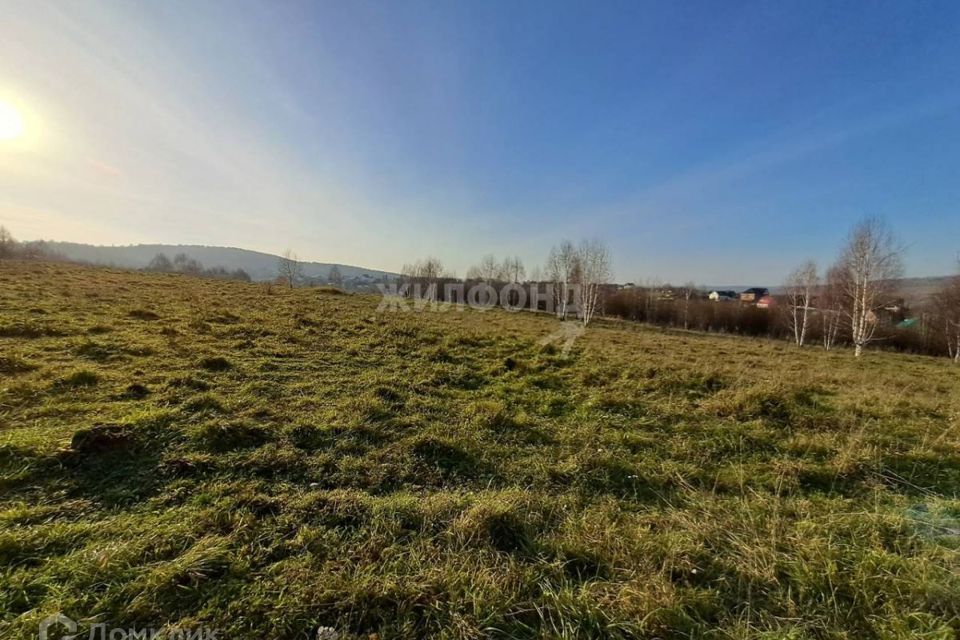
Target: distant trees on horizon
x=8, y=245
x=182, y=263
x=855, y=302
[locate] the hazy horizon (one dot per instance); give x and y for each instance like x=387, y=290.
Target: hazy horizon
x=729, y=140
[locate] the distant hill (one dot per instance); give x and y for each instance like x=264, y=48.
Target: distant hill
x=917, y=291
x=260, y=266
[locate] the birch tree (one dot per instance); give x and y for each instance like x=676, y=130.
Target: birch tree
x=488, y=270
x=800, y=287
x=512, y=269
x=868, y=266
x=947, y=302
x=594, y=263
x=563, y=267
x=830, y=308
x=687, y=292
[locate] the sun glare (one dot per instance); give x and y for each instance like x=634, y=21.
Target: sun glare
x=11, y=122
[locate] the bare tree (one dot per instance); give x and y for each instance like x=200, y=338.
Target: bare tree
x=289, y=268
x=431, y=269
x=830, y=305
x=488, y=270
x=594, y=272
x=563, y=268
x=334, y=276
x=160, y=262
x=8, y=246
x=653, y=288
x=426, y=272
x=512, y=270
x=868, y=266
x=185, y=264
x=687, y=292
x=800, y=287
x=947, y=302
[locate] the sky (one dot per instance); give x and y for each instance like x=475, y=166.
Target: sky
x=718, y=142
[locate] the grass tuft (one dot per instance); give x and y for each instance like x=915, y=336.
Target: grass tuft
x=216, y=364
x=80, y=378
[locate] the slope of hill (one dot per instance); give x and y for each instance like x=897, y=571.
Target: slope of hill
x=260, y=266
x=919, y=291
x=197, y=453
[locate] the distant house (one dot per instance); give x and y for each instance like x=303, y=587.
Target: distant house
x=766, y=302
x=754, y=294
x=719, y=296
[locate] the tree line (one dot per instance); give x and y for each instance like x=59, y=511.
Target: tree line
x=576, y=275
x=36, y=250
x=855, y=302
x=182, y=263
x=290, y=273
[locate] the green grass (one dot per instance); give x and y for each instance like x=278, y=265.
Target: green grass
x=182, y=452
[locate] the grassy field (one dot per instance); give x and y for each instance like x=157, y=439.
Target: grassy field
x=183, y=452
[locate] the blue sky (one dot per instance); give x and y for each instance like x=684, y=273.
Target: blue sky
x=719, y=142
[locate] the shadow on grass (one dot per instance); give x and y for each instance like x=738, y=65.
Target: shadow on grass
x=113, y=465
